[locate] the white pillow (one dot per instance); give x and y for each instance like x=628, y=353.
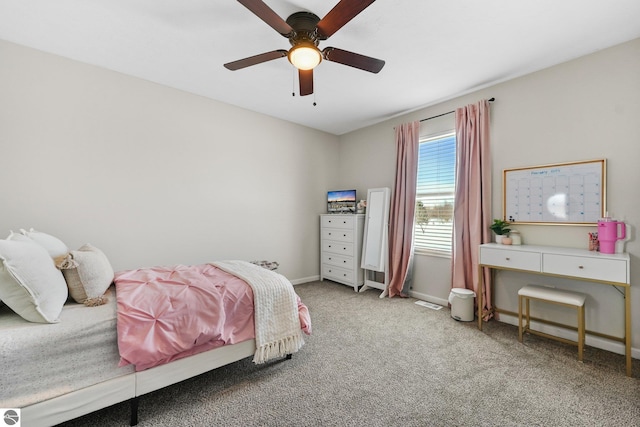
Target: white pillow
x=18, y=237
x=53, y=245
x=30, y=284
x=88, y=274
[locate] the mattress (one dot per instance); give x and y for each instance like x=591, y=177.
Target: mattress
x=43, y=361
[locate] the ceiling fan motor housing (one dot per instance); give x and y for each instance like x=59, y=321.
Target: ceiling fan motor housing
x=304, y=28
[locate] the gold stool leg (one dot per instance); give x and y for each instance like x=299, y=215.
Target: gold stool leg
x=581, y=332
x=520, y=297
x=527, y=324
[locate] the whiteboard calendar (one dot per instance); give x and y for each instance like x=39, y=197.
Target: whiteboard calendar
x=564, y=193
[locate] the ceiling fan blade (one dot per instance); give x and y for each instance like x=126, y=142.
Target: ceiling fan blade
x=341, y=13
x=306, y=82
x=351, y=59
x=264, y=12
x=256, y=59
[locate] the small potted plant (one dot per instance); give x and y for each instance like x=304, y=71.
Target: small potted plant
x=501, y=229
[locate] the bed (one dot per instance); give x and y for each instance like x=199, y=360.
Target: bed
x=112, y=349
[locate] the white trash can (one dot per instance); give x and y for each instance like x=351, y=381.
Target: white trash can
x=461, y=301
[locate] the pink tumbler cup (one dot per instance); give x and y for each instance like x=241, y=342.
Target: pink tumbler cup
x=608, y=233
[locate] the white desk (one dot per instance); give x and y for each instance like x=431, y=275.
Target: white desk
x=579, y=264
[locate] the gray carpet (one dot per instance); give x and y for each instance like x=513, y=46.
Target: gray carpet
x=390, y=362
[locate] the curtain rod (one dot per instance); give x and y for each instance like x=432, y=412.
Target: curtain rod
x=450, y=112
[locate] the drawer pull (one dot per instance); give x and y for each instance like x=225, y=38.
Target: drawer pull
x=330, y=258
x=344, y=261
x=344, y=235
x=508, y=259
x=581, y=267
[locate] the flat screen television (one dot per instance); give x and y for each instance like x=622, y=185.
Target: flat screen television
x=341, y=201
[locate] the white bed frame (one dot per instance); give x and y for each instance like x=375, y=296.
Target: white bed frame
x=131, y=386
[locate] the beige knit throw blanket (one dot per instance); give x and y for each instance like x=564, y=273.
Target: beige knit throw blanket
x=275, y=305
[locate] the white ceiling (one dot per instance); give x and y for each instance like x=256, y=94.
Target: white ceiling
x=434, y=49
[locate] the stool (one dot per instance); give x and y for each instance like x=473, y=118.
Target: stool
x=555, y=296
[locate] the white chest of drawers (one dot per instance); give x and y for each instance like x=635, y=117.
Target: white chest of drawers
x=341, y=248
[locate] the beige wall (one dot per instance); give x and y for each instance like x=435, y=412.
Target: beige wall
x=152, y=175
x=584, y=109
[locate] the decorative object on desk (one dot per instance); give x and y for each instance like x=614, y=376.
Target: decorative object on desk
x=500, y=228
x=609, y=232
x=593, y=241
x=516, y=238
x=506, y=240
x=361, y=206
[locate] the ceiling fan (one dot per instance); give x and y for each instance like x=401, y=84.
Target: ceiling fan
x=305, y=30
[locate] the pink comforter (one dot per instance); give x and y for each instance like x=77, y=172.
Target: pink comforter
x=166, y=313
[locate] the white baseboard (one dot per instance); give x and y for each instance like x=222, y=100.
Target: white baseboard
x=429, y=298
x=305, y=280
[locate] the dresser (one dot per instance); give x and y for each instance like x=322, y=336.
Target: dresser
x=341, y=248
x=579, y=264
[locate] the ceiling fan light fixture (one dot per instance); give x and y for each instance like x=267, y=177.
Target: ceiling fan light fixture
x=305, y=56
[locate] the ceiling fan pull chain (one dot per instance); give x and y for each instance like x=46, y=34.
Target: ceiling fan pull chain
x=293, y=81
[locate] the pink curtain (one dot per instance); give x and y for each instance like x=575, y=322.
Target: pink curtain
x=472, y=206
x=403, y=208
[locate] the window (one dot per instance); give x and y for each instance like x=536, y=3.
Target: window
x=433, y=225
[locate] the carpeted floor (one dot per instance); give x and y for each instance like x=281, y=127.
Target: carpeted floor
x=390, y=362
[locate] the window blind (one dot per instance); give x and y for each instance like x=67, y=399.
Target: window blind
x=435, y=194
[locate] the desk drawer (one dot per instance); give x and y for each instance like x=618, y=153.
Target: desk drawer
x=506, y=258
x=337, y=234
x=610, y=270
